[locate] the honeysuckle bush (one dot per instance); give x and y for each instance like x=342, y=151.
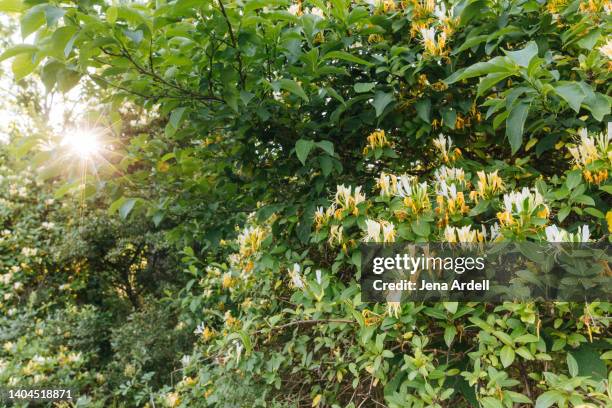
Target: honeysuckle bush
x=272, y=137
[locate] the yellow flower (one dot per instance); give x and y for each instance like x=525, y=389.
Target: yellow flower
x=172, y=399
x=609, y=220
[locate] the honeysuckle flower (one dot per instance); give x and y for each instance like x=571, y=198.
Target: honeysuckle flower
x=377, y=140
x=394, y=309
x=463, y=234
x=250, y=240
x=488, y=185
x=47, y=225
x=315, y=11
x=296, y=278
x=335, y=235
x=445, y=145
x=606, y=49
x=388, y=230
x=172, y=399
x=589, y=149
x=433, y=44
x=450, y=175
x=520, y=206
x=295, y=9
x=185, y=360
x=238, y=347
x=373, y=229
x=556, y=234
x=387, y=183
x=319, y=276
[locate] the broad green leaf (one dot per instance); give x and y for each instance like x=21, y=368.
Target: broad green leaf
x=497, y=64
x=547, y=399
x=342, y=55
x=381, y=100
x=362, y=87
x=490, y=402
x=572, y=365
x=18, y=49
x=23, y=65
x=524, y=56
x=515, y=123
x=32, y=20
x=506, y=356
x=423, y=108
x=572, y=93
x=491, y=80
x=302, y=149
x=449, y=335
x=111, y=14
x=327, y=146
x=126, y=208
x=11, y=6
x=293, y=87
x=573, y=179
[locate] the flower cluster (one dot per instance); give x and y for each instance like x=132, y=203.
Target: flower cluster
x=377, y=140
x=592, y=155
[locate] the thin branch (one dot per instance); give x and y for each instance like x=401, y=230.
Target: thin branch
x=234, y=44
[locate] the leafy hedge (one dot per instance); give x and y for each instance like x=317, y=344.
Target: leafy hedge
x=266, y=139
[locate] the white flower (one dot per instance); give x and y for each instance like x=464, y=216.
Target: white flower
x=404, y=185
x=200, y=328
x=296, y=278
x=315, y=11
x=185, y=360
x=48, y=225
x=556, y=234
x=319, y=276
x=294, y=9
x=606, y=49
x=388, y=230
x=553, y=234
x=373, y=231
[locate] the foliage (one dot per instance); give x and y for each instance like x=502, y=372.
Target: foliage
x=262, y=141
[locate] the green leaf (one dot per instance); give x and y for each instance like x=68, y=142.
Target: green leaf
x=423, y=108
x=572, y=365
x=346, y=57
x=573, y=179
x=585, y=199
x=497, y=64
x=524, y=56
x=111, y=14
x=421, y=227
x=547, y=399
x=381, y=100
x=563, y=213
x=449, y=335
x=594, y=212
x=11, y=6
x=18, y=49
x=293, y=87
x=327, y=146
x=572, y=93
x=127, y=207
x=361, y=87
x=32, y=20
x=506, y=356
x=515, y=124
x=588, y=41
x=176, y=117
x=23, y=65
x=302, y=148
x=490, y=81
x=490, y=402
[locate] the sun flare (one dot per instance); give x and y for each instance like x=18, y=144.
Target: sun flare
x=82, y=142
